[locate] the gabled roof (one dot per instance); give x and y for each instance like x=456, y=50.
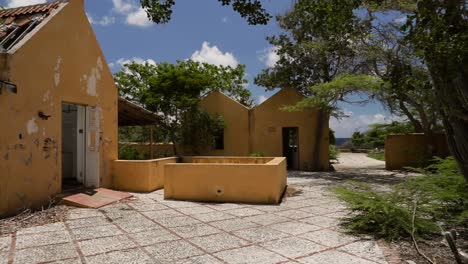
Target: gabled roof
x=17, y=22
x=131, y=114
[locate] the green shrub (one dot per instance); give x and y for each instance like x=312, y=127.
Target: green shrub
x=257, y=154
x=333, y=152
x=377, y=156
x=130, y=153
x=439, y=197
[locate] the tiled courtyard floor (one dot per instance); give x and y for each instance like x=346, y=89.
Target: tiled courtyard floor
x=148, y=229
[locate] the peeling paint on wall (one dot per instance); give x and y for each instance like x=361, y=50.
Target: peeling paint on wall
x=57, y=71
x=31, y=126
x=94, y=76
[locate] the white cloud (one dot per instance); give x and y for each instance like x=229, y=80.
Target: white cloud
x=103, y=21
x=347, y=126
x=16, y=3
x=224, y=19
x=123, y=7
x=138, y=18
x=122, y=61
x=269, y=56
x=261, y=99
x=214, y=56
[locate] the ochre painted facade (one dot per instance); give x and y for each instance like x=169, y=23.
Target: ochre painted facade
x=59, y=61
x=260, y=129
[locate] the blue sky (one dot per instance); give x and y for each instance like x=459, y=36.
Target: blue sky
x=201, y=30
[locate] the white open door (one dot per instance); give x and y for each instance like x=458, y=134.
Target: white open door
x=81, y=143
x=92, y=147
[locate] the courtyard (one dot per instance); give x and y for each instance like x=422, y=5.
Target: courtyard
x=148, y=229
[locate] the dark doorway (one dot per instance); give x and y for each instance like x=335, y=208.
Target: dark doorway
x=291, y=147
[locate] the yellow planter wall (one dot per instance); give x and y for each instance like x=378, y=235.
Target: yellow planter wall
x=139, y=175
x=209, y=179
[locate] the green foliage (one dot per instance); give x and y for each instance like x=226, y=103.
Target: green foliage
x=173, y=91
x=377, y=156
x=257, y=154
x=331, y=137
x=438, y=199
x=376, y=135
x=140, y=134
x=333, y=152
x=199, y=129
x=160, y=11
x=128, y=152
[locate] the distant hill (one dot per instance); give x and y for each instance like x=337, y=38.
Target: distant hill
x=341, y=141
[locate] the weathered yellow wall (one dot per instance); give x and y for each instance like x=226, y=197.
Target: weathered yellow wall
x=268, y=120
x=236, y=116
x=61, y=62
x=227, y=182
x=139, y=175
x=260, y=129
x=410, y=150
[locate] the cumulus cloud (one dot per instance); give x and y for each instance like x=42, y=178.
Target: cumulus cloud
x=348, y=125
x=122, y=61
x=224, y=19
x=103, y=21
x=134, y=14
x=212, y=55
x=16, y=3
x=269, y=56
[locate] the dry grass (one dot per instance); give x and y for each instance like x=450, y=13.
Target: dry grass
x=29, y=218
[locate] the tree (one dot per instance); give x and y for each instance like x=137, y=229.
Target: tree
x=160, y=11
x=173, y=91
x=324, y=46
x=375, y=136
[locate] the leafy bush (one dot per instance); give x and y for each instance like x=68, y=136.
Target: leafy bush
x=257, y=154
x=130, y=153
x=375, y=136
x=437, y=199
x=333, y=152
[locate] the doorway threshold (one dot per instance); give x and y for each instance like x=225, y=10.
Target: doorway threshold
x=96, y=198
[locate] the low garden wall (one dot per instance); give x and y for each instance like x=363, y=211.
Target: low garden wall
x=226, y=179
x=139, y=175
x=412, y=150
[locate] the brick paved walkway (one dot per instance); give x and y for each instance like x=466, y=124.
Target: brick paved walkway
x=148, y=229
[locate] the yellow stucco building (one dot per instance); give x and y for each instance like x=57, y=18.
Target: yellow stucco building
x=58, y=105
x=301, y=137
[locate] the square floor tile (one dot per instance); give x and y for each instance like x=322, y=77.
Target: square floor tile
x=294, y=214
x=321, y=221
x=233, y=224
x=366, y=249
x=293, y=247
x=218, y=242
x=119, y=257
x=102, y=245
x=136, y=223
x=55, y=227
x=195, y=210
x=252, y=254
x=67, y=261
x=195, y=230
x=179, y=204
x=141, y=206
x=333, y=257
x=154, y=236
x=91, y=232
x=213, y=216
x=316, y=210
x=45, y=253
x=4, y=257
x=77, y=213
x=266, y=219
x=294, y=227
x=260, y=234
x=271, y=208
x=173, y=250
x=205, y=259
x=329, y=238
x=90, y=221
x=225, y=206
x=177, y=221
x=42, y=239
x=156, y=215
x=243, y=212
x=5, y=243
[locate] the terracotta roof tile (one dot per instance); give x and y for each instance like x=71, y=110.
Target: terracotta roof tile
x=28, y=10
